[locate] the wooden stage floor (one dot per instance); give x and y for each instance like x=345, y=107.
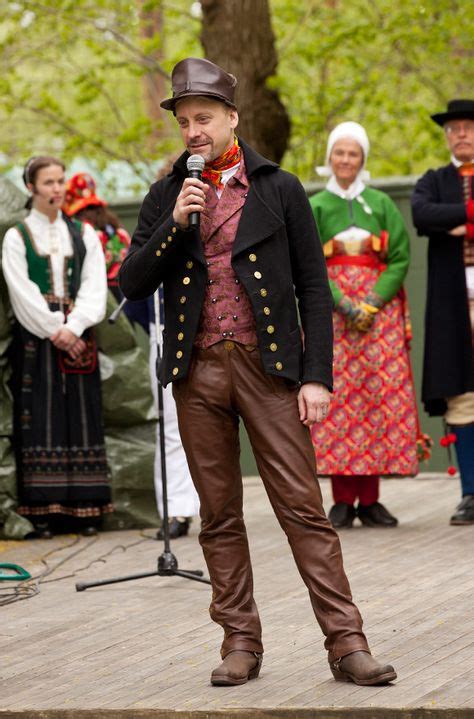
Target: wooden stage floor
x=145, y=649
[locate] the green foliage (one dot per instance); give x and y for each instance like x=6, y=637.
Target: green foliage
x=387, y=65
x=74, y=74
x=74, y=78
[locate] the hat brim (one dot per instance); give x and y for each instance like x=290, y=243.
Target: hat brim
x=441, y=118
x=170, y=103
x=74, y=207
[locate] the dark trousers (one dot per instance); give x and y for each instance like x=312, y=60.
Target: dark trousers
x=226, y=382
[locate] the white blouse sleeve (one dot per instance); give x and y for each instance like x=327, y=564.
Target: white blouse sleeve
x=29, y=305
x=91, y=299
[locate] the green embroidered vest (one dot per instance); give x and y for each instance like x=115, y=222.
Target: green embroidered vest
x=39, y=266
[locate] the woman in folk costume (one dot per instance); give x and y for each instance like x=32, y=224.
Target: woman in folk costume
x=55, y=273
x=371, y=429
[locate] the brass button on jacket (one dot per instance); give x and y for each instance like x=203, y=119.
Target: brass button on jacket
x=189, y=264
x=186, y=280
x=252, y=257
x=270, y=329
x=257, y=275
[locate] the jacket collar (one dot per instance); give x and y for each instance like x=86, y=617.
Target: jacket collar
x=254, y=163
x=257, y=222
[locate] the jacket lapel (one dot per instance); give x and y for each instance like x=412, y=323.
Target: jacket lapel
x=452, y=186
x=258, y=220
x=257, y=223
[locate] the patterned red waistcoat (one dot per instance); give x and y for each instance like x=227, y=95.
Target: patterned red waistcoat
x=227, y=313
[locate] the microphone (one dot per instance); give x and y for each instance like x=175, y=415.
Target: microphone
x=195, y=165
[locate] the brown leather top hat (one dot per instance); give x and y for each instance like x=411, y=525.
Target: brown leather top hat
x=194, y=76
x=457, y=110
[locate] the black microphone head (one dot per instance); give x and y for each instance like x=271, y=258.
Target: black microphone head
x=195, y=163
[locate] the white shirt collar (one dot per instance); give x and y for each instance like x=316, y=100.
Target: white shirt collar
x=355, y=189
x=225, y=177
x=227, y=174
x=458, y=163
x=42, y=218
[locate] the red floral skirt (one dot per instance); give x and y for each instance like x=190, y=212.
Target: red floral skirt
x=371, y=428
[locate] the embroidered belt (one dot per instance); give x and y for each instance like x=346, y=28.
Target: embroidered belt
x=359, y=260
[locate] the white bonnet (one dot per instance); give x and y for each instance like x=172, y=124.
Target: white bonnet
x=346, y=130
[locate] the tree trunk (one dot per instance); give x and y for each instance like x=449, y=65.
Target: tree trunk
x=237, y=35
x=154, y=84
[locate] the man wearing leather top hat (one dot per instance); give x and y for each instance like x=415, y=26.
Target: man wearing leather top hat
x=443, y=209
x=233, y=349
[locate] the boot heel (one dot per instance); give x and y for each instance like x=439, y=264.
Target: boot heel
x=253, y=674
x=338, y=675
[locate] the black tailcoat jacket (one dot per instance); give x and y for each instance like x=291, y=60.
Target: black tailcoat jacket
x=448, y=368
x=276, y=255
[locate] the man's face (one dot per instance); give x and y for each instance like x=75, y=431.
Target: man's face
x=207, y=126
x=460, y=138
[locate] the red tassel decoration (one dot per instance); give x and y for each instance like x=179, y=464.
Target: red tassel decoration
x=446, y=441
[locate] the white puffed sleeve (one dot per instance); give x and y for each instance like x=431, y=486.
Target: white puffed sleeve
x=29, y=305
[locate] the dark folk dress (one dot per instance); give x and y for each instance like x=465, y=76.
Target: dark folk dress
x=58, y=435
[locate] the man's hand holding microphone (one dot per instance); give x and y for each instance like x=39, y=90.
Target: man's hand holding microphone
x=192, y=198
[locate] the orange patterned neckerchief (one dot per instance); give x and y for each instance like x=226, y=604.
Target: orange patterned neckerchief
x=213, y=170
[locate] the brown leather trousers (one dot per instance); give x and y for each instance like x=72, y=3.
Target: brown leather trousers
x=225, y=382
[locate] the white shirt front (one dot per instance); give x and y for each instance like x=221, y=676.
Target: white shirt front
x=52, y=239
x=225, y=177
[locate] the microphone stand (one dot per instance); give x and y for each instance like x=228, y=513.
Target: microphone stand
x=167, y=562
x=115, y=314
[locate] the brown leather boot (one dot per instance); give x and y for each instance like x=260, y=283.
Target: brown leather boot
x=361, y=668
x=237, y=668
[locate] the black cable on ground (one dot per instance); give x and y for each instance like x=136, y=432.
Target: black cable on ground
x=16, y=592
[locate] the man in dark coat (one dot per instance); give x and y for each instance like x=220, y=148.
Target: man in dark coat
x=233, y=349
x=443, y=209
